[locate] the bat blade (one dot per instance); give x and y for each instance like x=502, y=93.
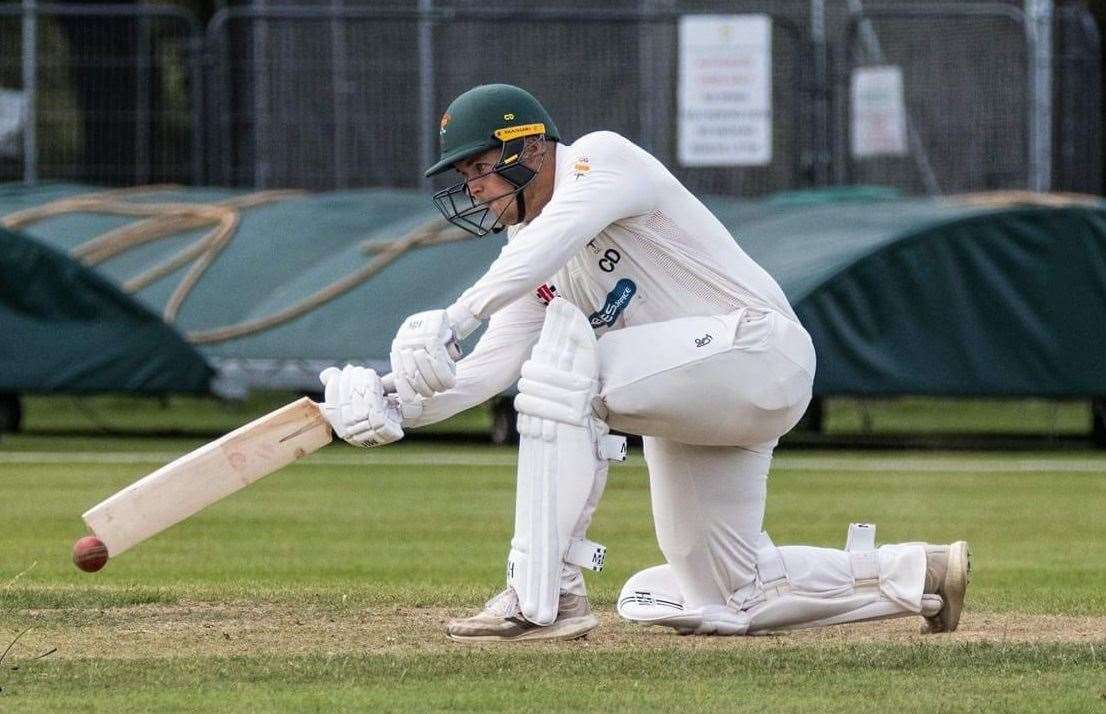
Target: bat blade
x=210, y=473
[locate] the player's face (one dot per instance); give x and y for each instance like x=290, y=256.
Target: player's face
x=486, y=186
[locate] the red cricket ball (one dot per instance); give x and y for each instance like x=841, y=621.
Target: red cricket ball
x=90, y=554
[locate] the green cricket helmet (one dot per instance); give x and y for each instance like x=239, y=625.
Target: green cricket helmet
x=491, y=116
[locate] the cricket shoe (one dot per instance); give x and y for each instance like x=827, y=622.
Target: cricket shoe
x=947, y=573
x=501, y=620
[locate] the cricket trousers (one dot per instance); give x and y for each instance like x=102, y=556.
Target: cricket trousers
x=711, y=396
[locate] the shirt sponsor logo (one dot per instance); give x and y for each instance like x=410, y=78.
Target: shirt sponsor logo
x=617, y=300
x=546, y=293
x=581, y=167
x=609, y=260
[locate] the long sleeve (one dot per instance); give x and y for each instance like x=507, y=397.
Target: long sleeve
x=603, y=179
x=494, y=363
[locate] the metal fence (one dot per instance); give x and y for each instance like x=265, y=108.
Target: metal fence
x=332, y=94
x=112, y=93
x=969, y=98
x=327, y=97
x=1077, y=129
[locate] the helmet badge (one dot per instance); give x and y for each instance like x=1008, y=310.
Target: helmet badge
x=445, y=121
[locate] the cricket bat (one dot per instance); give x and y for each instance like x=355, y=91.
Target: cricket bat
x=212, y=472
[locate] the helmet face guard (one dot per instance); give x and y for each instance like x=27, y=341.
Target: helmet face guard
x=458, y=206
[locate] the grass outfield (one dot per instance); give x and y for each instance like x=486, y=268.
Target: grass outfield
x=127, y=413
x=327, y=585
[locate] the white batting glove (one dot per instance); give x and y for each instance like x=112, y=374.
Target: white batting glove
x=408, y=402
x=357, y=408
x=424, y=352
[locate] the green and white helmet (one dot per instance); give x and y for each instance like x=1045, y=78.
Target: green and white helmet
x=491, y=116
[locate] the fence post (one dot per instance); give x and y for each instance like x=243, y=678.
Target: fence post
x=30, y=87
x=820, y=128
x=338, y=79
x=227, y=138
x=261, y=143
x=1038, y=28
x=197, y=115
x=142, y=103
x=426, y=92
x=657, y=94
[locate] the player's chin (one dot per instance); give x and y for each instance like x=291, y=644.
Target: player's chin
x=508, y=215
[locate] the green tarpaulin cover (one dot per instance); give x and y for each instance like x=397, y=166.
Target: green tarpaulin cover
x=65, y=328
x=942, y=296
x=902, y=296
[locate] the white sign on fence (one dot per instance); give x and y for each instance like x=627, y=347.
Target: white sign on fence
x=879, y=112
x=13, y=114
x=725, y=90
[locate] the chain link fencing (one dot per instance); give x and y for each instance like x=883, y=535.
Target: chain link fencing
x=330, y=94
x=341, y=96
x=104, y=94
x=964, y=71
x=1077, y=98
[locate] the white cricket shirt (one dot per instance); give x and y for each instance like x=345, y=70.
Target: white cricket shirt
x=623, y=240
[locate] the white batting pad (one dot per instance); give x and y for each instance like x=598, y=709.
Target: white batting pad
x=652, y=597
x=560, y=472
x=796, y=587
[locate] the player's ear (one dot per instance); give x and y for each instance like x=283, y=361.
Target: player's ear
x=532, y=147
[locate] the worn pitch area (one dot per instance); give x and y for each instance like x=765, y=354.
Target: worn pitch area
x=213, y=629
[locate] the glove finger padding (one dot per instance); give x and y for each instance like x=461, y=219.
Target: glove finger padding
x=353, y=391
x=331, y=377
x=405, y=368
x=406, y=400
x=421, y=352
x=387, y=430
x=357, y=408
x=437, y=370
x=391, y=431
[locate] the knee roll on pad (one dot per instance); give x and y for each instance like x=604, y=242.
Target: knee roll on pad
x=563, y=453
x=652, y=597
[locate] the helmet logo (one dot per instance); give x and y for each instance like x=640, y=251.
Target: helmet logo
x=515, y=132
x=445, y=120
x=508, y=117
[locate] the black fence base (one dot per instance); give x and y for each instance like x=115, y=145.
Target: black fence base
x=11, y=413
x=1098, y=422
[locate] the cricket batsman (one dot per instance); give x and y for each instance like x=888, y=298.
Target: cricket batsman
x=620, y=302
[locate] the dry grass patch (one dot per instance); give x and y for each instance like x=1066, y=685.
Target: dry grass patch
x=212, y=629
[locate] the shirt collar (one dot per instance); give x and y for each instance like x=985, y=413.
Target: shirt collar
x=564, y=164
